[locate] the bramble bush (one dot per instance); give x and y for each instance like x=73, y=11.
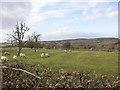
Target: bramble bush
x=38, y=76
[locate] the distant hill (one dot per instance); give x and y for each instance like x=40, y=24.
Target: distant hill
x=94, y=41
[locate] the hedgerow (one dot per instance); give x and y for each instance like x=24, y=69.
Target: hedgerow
x=22, y=75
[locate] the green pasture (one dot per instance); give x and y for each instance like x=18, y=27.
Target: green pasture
x=99, y=62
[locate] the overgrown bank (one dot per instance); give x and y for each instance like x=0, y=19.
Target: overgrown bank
x=21, y=75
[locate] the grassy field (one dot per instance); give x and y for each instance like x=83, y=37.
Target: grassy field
x=93, y=61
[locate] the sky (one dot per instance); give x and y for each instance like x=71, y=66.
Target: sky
x=61, y=19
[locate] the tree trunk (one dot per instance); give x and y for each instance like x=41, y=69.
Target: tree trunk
x=35, y=49
x=19, y=48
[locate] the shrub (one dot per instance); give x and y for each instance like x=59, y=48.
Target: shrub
x=46, y=78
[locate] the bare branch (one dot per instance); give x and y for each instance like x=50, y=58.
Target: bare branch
x=13, y=36
x=16, y=69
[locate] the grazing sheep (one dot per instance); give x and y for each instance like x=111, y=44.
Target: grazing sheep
x=65, y=50
x=47, y=55
x=91, y=49
x=22, y=55
x=14, y=57
x=69, y=50
x=6, y=53
x=42, y=55
x=4, y=59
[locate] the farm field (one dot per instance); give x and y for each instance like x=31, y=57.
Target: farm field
x=94, y=61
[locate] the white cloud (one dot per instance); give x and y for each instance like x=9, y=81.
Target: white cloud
x=98, y=0
x=76, y=19
x=14, y=0
x=67, y=33
x=11, y=12
x=58, y=34
x=103, y=1
x=110, y=12
x=35, y=15
x=92, y=14
x=3, y=34
x=96, y=9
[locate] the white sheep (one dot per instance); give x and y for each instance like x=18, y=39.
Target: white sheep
x=14, y=57
x=65, y=50
x=69, y=50
x=42, y=55
x=22, y=55
x=91, y=49
x=47, y=55
x=4, y=59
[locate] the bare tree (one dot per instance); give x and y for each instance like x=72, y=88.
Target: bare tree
x=36, y=38
x=18, y=35
x=11, y=40
x=30, y=42
x=33, y=41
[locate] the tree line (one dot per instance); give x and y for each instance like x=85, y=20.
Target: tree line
x=17, y=39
